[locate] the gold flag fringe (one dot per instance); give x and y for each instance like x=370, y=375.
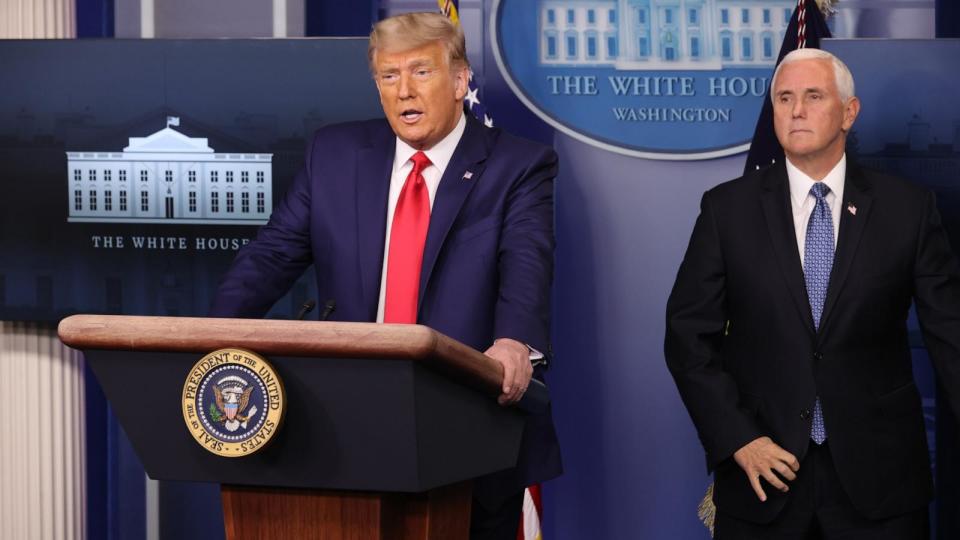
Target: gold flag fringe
x=707, y=512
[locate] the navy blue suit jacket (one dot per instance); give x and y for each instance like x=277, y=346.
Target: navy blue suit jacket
x=487, y=263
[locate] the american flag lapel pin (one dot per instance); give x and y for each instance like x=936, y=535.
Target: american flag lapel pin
x=467, y=175
x=852, y=209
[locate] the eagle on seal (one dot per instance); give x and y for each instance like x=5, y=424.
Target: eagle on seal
x=231, y=403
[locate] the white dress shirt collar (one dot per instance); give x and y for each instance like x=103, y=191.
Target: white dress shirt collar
x=800, y=183
x=803, y=202
x=439, y=155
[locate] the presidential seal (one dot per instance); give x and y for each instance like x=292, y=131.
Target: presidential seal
x=233, y=402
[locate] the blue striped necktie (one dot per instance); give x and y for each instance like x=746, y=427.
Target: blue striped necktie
x=817, y=264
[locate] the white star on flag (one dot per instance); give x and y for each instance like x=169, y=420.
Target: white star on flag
x=472, y=98
x=487, y=121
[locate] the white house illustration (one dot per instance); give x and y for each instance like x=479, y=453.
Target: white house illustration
x=662, y=34
x=168, y=177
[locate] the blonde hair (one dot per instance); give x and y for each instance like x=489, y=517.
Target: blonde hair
x=841, y=73
x=414, y=30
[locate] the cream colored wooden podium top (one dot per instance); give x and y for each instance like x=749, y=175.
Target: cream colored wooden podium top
x=286, y=338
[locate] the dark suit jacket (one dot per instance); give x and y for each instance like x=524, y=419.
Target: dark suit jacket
x=487, y=263
x=742, y=347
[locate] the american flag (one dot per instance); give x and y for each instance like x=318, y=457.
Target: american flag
x=530, y=519
x=472, y=102
x=807, y=27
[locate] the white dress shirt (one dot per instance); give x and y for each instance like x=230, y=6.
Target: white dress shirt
x=803, y=202
x=439, y=157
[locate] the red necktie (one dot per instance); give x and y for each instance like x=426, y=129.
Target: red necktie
x=408, y=234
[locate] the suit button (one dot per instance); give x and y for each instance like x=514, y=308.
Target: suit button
x=805, y=414
x=818, y=355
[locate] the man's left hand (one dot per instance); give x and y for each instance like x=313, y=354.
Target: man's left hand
x=517, y=370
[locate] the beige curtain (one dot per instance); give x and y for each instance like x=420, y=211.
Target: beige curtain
x=42, y=435
x=37, y=19
x=42, y=431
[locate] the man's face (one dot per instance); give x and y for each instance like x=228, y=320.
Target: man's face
x=422, y=96
x=808, y=115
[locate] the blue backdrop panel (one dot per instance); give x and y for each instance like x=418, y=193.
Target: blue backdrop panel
x=325, y=18
x=634, y=466
x=909, y=125
x=948, y=19
x=93, y=98
x=94, y=18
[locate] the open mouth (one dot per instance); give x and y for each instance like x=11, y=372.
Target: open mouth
x=410, y=116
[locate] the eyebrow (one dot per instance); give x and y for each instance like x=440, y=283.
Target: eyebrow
x=419, y=62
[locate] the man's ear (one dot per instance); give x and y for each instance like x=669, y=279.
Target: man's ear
x=850, y=112
x=461, y=82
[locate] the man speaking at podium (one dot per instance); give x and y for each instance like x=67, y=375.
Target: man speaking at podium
x=426, y=217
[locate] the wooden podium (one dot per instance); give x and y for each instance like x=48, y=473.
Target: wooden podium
x=385, y=425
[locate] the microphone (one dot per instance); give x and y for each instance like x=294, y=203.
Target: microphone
x=328, y=308
x=307, y=307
